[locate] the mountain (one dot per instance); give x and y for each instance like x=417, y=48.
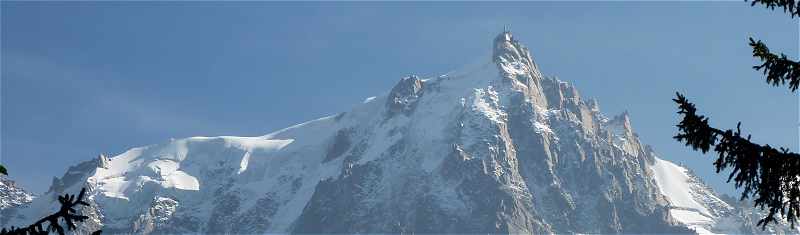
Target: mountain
x=12, y=196
x=495, y=147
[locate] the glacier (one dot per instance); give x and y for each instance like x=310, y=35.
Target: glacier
x=494, y=147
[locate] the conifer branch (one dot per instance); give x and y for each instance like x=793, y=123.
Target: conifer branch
x=779, y=69
x=770, y=176
x=67, y=213
x=789, y=6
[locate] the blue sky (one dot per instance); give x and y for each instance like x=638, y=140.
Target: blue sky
x=84, y=78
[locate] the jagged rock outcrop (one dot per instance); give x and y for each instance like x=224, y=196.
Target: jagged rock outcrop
x=621, y=134
x=103, y=161
x=157, y=216
x=404, y=95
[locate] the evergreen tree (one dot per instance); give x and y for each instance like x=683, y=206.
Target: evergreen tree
x=771, y=176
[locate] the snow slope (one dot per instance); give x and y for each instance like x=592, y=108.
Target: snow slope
x=672, y=181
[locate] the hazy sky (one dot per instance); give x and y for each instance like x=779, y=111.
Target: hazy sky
x=84, y=78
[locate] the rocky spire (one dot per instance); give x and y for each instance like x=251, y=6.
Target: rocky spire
x=623, y=121
x=404, y=95
x=518, y=69
x=103, y=161
x=594, y=106
x=623, y=135
x=513, y=57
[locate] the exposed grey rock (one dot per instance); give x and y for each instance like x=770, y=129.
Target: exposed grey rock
x=339, y=145
x=157, y=216
x=103, y=162
x=594, y=106
x=258, y=218
x=404, y=95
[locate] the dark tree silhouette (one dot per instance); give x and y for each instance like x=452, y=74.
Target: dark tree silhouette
x=3, y=170
x=779, y=69
x=789, y=6
x=67, y=213
x=768, y=175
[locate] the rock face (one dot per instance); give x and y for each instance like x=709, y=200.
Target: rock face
x=404, y=95
x=495, y=148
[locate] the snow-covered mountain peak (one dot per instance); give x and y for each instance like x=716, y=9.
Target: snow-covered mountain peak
x=513, y=58
x=494, y=147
